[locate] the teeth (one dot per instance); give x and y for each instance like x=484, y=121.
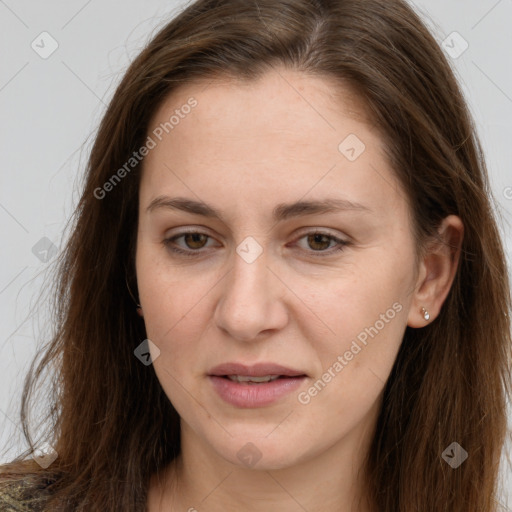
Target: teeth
x=243, y=378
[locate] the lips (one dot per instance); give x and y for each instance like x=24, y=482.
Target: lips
x=259, y=385
x=256, y=370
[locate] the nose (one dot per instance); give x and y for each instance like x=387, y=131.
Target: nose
x=251, y=304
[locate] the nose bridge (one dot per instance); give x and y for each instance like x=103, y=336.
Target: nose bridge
x=250, y=270
x=248, y=303
x=247, y=286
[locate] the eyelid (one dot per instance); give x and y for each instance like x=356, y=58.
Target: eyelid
x=168, y=240
x=341, y=243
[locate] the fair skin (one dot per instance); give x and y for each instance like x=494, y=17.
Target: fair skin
x=244, y=149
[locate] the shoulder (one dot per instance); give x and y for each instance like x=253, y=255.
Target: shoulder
x=21, y=493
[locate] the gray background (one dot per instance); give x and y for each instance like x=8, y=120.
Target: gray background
x=51, y=107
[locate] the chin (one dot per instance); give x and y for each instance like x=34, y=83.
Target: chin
x=260, y=453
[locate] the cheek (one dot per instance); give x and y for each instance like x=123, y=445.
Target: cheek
x=370, y=293
x=177, y=317
x=363, y=319
x=354, y=364
x=176, y=327
x=171, y=296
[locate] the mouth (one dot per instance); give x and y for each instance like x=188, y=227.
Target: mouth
x=254, y=386
x=265, y=371
x=246, y=379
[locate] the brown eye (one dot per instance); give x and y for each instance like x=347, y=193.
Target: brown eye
x=192, y=244
x=318, y=241
x=195, y=240
x=319, y=244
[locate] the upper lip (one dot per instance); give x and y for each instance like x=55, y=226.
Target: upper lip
x=255, y=370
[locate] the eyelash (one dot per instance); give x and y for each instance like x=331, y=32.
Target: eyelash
x=195, y=253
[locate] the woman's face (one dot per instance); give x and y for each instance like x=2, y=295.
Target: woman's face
x=255, y=285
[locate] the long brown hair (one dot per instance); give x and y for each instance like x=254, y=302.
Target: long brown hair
x=111, y=423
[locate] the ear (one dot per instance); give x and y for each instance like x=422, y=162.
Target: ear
x=437, y=271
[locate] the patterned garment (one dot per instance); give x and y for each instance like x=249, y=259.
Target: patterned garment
x=11, y=498
x=14, y=496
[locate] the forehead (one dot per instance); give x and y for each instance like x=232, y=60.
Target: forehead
x=285, y=133
x=279, y=96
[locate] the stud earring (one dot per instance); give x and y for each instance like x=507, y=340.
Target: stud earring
x=426, y=314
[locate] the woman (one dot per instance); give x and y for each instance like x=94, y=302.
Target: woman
x=285, y=288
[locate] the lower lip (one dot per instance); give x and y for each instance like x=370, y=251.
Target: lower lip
x=254, y=395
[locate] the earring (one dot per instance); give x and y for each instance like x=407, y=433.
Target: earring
x=426, y=315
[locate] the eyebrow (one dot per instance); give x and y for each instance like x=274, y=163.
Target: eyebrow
x=280, y=213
